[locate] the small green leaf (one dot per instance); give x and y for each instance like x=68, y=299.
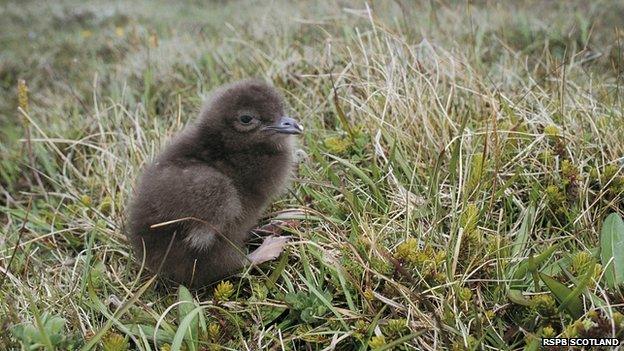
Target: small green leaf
x=573, y=304
x=162, y=336
x=55, y=324
x=185, y=300
x=516, y=297
x=277, y=272
x=612, y=250
x=523, y=234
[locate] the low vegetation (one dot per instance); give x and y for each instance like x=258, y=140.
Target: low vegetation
x=460, y=183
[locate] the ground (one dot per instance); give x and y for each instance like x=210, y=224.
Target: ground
x=461, y=180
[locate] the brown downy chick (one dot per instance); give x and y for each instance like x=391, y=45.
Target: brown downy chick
x=197, y=202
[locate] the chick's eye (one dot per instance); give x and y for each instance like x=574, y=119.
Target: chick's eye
x=245, y=119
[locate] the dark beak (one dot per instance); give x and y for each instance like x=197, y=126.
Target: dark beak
x=286, y=125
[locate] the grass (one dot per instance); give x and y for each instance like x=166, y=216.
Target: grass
x=461, y=168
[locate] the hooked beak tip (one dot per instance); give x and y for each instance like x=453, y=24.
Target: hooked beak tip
x=287, y=125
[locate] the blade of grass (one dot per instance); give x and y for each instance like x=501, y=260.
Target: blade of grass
x=523, y=268
x=115, y=318
x=522, y=237
x=573, y=297
x=322, y=298
x=360, y=174
x=184, y=327
x=185, y=306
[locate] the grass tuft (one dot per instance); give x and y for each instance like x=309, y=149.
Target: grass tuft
x=460, y=184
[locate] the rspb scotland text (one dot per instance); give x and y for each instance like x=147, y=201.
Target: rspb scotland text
x=580, y=342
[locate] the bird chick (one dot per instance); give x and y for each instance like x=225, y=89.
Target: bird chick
x=197, y=202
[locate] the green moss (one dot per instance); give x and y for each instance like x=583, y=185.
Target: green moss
x=377, y=342
x=338, y=145
x=223, y=291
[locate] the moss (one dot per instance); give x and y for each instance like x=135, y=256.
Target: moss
x=115, y=342
x=465, y=294
x=396, y=327
x=548, y=332
x=544, y=305
x=214, y=331
x=552, y=131
x=377, y=342
x=469, y=218
x=410, y=252
x=569, y=173
x=580, y=262
x=338, y=145
x=223, y=291
x=464, y=345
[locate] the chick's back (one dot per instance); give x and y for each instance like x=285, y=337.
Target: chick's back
x=199, y=200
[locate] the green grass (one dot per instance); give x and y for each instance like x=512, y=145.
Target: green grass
x=458, y=165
